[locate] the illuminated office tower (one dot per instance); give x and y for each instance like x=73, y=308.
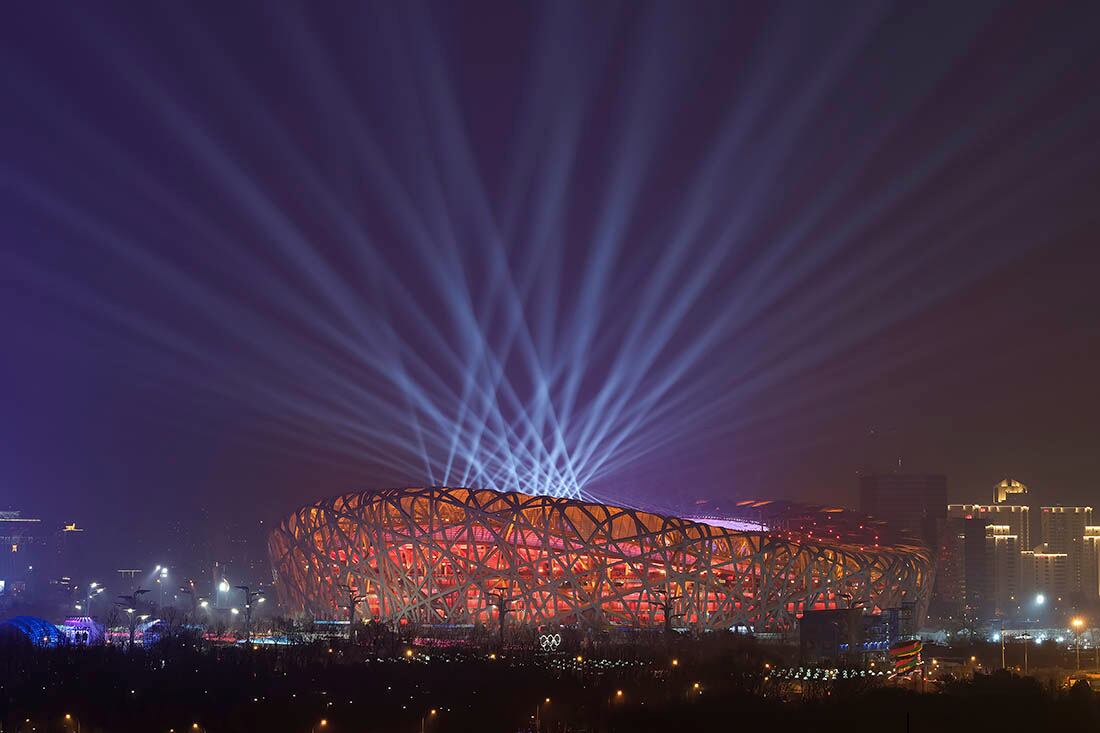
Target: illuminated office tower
x=1002, y=558
x=1016, y=517
x=981, y=563
x=1090, y=566
x=1062, y=531
x=1045, y=573
x=983, y=560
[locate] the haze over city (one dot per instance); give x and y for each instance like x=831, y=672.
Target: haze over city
x=940, y=199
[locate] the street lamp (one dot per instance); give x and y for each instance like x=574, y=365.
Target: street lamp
x=69, y=719
x=160, y=578
x=425, y=718
x=93, y=591
x=223, y=592
x=1025, y=636
x=130, y=603
x=1001, y=638
x=1078, y=623
x=538, y=709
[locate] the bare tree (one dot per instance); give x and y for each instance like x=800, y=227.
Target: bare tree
x=354, y=599
x=503, y=609
x=667, y=599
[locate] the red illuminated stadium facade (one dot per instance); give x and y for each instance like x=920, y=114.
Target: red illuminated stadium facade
x=453, y=556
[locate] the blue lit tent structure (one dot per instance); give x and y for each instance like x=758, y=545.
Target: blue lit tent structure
x=37, y=631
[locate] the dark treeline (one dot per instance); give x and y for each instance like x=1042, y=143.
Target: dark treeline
x=714, y=684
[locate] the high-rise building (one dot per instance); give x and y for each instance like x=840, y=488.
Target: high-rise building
x=1002, y=555
x=1062, y=531
x=1046, y=573
x=977, y=579
x=981, y=559
x=72, y=552
x=991, y=544
x=1090, y=566
x=913, y=502
x=23, y=544
x=949, y=594
x=1014, y=516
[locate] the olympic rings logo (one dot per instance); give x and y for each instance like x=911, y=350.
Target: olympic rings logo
x=549, y=642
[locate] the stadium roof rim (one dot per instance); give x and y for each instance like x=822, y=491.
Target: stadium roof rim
x=726, y=523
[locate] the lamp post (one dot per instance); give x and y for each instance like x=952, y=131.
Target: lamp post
x=538, y=709
x=160, y=577
x=69, y=719
x=1078, y=623
x=94, y=589
x=222, y=596
x=130, y=603
x=425, y=718
x=250, y=597
x=1002, y=643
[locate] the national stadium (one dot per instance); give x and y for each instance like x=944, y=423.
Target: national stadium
x=448, y=556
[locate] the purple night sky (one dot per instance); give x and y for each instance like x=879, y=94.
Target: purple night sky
x=258, y=254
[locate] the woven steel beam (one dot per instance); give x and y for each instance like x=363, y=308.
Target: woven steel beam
x=437, y=555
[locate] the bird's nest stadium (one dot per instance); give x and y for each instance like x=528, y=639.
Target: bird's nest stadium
x=442, y=556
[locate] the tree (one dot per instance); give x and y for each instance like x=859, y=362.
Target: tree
x=666, y=605
x=354, y=599
x=503, y=609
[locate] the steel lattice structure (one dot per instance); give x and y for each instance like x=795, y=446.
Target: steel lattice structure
x=453, y=556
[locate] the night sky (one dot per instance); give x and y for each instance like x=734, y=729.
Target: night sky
x=257, y=253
